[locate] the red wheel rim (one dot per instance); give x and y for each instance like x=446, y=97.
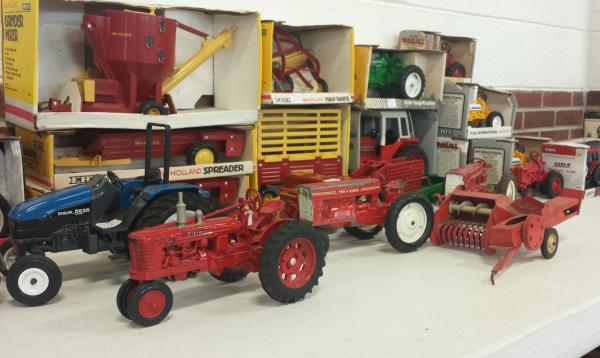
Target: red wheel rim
x=458, y=73
x=555, y=185
x=297, y=263
x=152, y=304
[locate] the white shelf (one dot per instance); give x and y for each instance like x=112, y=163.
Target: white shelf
x=371, y=302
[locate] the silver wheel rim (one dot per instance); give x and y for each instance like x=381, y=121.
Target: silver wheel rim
x=173, y=218
x=411, y=222
x=33, y=282
x=496, y=122
x=9, y=258
x=511, y=190
x=413, y=85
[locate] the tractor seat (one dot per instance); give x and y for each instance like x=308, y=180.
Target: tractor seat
x=152, y=177
x=272, y=206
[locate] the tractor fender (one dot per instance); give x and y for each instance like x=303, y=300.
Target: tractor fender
x=264, y=235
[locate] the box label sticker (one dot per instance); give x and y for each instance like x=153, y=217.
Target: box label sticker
x=20, y=43
x=494, y=157
x=451, y=110
x=448, y=157
x=308, y=98
x=487, y=132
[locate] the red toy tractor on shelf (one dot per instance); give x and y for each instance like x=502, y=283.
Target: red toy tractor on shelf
x=295, y=69
x=592, y=178
x=135, y=52
x=493, y=222
x=472, y=177
x=453, y=68
x=288, y=255
x=378, y=195
x=533, y=176
x=388, y=134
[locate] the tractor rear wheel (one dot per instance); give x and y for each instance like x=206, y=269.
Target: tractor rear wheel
x=8, y=256
x=456, y=69
x=494, y=120
x=364, y=232
x=322, y=86
x=230, y=275
x=202, y=153
x=150, y=303
x=292, y=261
x=153, y=108
x=550, y=243
x=33, y=280
x=553, y=184
x=596, y=177
x=507, y=185
x=413, y=152
x=412, y=82
x=162, y=210
x=409, y=222
x=4, y=209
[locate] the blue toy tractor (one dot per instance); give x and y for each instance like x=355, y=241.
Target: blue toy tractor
x=93, y=217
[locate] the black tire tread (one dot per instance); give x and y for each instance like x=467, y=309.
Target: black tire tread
x=138, y=292
x=491, y=115
x=164, y=206
x=502, y=185
x=545, y=253
x=269, y=278
x=230, y=275
x=361, y=234
x=39, y=261
x=390, y=222
x=406, y=71
x=191, y=152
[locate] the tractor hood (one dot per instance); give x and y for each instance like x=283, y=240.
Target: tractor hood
x=45, y=205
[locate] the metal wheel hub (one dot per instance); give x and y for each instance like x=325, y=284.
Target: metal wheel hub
x=411, y=222
x=33, y=281
x=413, y=85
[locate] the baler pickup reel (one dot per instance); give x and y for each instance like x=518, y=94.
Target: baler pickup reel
x=493, y=222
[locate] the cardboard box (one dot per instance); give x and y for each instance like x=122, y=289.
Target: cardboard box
x=591, y=126
x=424, y=124
x=12, y=183
x=332, y=45
x=532, y=144
x=451, y=153
x=51, y=52
x=497, y=153
x=44, y=151
x=418, y=40
x=461, y=51
x=459, y=99
x=431, y=62
x=569, y=159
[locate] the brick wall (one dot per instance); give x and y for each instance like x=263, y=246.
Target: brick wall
x=557, y=115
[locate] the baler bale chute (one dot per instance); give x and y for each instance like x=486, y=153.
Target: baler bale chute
x=135, y=53
x=491, y=222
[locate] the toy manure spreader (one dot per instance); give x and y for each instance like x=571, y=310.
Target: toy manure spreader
x=135, y=52
x=92, y=217
x=288, y=255
x=493, y=222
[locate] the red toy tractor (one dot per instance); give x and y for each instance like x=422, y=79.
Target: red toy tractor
x=378, y=195
x=493, y=222
x=453, y=68
x=288, y=255
x=472, y=177
x=533, y=176
x=292, y=62
x=592, y=179
x=135, y=52
x=388, y=134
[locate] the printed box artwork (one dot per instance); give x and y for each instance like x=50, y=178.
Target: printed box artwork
x=569, y=160
x=450, y=154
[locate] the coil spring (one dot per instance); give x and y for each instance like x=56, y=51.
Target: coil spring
x=462, y=233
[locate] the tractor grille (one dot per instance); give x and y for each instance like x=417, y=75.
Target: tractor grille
x=146, y=255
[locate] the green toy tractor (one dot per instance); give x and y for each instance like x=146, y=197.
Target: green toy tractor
x=389, y=78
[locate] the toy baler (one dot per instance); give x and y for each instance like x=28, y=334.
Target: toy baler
x=493, y=222
x=135, y=52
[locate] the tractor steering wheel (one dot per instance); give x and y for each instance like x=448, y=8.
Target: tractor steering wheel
x=535, y=156
x=114, y=179
x=374, y=133
x=253, y=199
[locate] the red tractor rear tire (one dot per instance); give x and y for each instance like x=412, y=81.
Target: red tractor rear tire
x=292, y=261
x=553, y=184
x=413, y=152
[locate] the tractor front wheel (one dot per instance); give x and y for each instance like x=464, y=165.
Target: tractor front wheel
x=33, y=280
x=364, y=232
x=292, y=261
x=412, y=82
x=230, y=275
x=409, y=222
x=149, y=303
x=124, y=295
x=550, y=243
x=202, y=153
x=553, y=184
x=8, y=256
x=456, y=69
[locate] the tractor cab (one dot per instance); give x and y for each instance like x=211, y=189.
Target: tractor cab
x=385, y=135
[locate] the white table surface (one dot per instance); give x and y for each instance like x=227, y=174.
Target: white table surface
x=371, y=302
